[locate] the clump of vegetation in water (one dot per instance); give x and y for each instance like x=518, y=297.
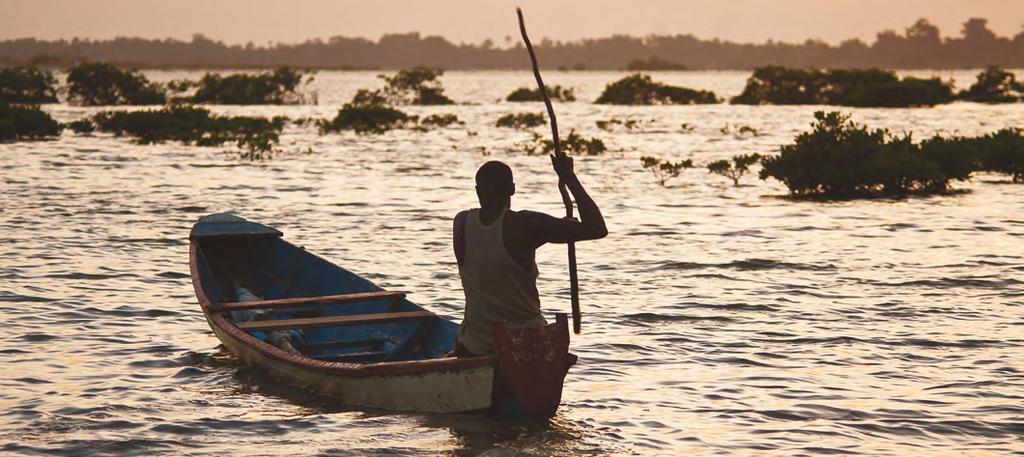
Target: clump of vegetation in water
x=415, y=86
x=276, y=87
x=654, y=63
x=994, y=85
x=775, y=85
x=557, y=93
x=521, y=121
x=368, y=112
x=256, y=136
x=574, y=143
x=639, y=89
x=999, y=152
x=664, y=170
x=441, y=120
x=735, y=169
x=26, y=122
x=27, y=85
x=840, y=158
x=628, y=124
x=81, y=126
x=98, y=84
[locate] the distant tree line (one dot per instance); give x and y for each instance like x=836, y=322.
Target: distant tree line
x=919, y=46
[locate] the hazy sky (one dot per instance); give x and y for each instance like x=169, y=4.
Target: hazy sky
x=260, y=21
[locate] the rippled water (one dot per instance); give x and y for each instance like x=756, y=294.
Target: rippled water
x=717, y=319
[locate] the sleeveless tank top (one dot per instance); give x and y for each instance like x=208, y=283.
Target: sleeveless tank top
x=496, y=287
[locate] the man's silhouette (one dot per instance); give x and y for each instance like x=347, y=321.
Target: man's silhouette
x=496, y=248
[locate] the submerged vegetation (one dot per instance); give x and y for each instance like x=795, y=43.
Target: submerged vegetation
x=556, y=92
x=276, y=87
x=640, y=89
x=256, y=136
x=994, y=85
x=415, y=86
x=100, y=84
x=440, y=120
x=573, y=143
x=664, y=170
x=734, y=169
x=21, y=123
x=27, y=85
x=631, y=125
x=521, y=121
x=775, y=85
x=999, y=152
x=841, y=159
x=368, y=112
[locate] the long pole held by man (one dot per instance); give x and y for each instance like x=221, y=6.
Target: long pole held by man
x=574, y=282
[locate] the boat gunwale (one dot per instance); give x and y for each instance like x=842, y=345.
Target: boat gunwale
x=275, y=354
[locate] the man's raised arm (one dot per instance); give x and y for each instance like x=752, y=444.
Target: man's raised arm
x=553, y=230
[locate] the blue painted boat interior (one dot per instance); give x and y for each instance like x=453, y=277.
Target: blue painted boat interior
x=272, y=268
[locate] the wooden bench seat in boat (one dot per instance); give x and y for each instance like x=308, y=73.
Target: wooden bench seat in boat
x=331, y=321
x=294, y=302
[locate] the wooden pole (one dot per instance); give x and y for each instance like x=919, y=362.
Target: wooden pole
x=574, y=282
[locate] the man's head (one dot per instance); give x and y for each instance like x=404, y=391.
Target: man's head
x=494, y=185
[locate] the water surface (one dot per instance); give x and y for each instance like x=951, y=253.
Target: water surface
x=717, y=319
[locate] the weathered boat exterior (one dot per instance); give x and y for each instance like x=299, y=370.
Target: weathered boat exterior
x=407, y=370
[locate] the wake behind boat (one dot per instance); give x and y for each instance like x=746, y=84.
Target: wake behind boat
x=351, y=340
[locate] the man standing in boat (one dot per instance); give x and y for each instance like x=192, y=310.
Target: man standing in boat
x=496, y=249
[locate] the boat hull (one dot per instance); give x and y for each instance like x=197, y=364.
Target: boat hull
x=363, y=346
x=442, y=391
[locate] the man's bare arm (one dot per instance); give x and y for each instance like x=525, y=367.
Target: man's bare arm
x=591, y=225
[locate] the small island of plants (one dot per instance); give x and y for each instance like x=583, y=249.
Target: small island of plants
x=873, y=87
x=521, y=121
x=277, y=87
x=255, y=136
x=640, y=89
x=102, y=84
x=27, y=85
x=557, y=93
x=842, y=159
x=26, y=123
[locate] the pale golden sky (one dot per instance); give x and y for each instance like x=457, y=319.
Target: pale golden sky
x=260, y=21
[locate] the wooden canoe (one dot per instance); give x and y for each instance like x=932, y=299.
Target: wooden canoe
x=360, y=344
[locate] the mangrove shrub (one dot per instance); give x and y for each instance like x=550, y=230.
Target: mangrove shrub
x=521, y=121
x=664, y=170
x=256, y=136
x=839, y=158
x=639, y=89
x=276, y=87
x=440, y=120
x=26, y=122
x=994, y=85
x=574, y=143
x=368, y=112
x=27, y=85
x=873, y=87
x=81, y=126
x=98, y=84
x=415, y=86
x=734, y=169
x=558, y=93
x=631, y=125
x=999, y=152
